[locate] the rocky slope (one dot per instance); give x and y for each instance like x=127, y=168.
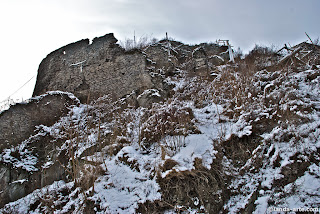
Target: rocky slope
x=204, y=137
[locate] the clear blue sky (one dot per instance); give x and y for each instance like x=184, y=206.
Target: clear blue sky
x=32, y=29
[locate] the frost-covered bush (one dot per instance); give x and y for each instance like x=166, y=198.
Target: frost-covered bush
x=261, y=57
x=166, y=120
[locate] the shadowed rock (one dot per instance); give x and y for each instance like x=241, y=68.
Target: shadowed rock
x=18, y=122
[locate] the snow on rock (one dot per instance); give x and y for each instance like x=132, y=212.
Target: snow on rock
x=288, y=149
x=70, y=95
x=124, y=187
x=20, y=157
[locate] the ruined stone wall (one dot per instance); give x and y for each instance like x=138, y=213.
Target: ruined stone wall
x=168, y=56
x=94, y=70
x=16, y=125
x=103, y=67
x=18, y=122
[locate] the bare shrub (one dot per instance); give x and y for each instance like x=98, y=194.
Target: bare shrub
x=238, y=55
x=200, y=189
x=10, y=210
x=88, y=175
x=262, y=56
x=132, y=44
x=234, y=90
x=166, y=120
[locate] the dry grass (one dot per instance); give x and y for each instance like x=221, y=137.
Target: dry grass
x=262, y=56
x=196, y=188
x=166, y=120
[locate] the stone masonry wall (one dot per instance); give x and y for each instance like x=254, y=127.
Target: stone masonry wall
x=92, y=70
x=18, y=122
